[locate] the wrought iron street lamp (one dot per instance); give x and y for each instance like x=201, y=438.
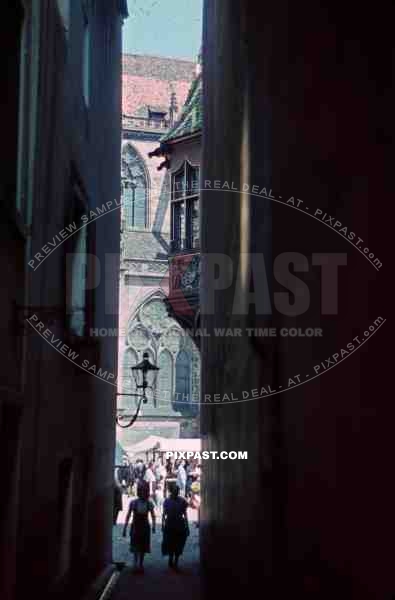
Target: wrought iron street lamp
x=145, y=375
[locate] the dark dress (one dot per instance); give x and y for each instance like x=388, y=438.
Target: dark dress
x=140, y=531
x=175, y=531
x=117, y=503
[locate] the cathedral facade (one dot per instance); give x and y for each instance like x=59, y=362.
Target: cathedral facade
x=154, y=92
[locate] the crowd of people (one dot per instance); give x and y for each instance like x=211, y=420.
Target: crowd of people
x=157, y=490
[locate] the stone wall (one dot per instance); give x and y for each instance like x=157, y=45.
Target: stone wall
x=57, y=421
x=291, y=105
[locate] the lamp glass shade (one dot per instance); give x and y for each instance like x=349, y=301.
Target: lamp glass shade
x=145, y=373
x=151, y=376
x=138, y=376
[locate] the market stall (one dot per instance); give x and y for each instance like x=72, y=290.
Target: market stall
x=144, y=449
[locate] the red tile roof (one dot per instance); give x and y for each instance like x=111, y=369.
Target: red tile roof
x=148, y=80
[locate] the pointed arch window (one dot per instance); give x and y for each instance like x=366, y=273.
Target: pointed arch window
x=134, y=190
x=183, y=388
x=177, y=387
x=164, y=387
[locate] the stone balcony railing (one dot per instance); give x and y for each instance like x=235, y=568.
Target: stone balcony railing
x=133, y=123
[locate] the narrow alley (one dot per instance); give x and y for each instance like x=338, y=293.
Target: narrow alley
x=195, y=256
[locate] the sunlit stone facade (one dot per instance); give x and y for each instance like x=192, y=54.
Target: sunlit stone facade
x=144, y=324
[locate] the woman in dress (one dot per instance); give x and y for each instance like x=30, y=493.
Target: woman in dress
x=175, y=527
x=140, y=535
x=117, y=506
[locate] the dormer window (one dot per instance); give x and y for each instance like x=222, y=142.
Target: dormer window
x=157, y=116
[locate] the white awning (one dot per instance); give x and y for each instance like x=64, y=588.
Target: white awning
x=149, y=443
x=161, y=444
x=180, y=445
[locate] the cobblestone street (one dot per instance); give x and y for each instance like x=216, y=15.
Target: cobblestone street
x=157, y=578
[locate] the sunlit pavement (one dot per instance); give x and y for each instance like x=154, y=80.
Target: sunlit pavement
x=157, y=577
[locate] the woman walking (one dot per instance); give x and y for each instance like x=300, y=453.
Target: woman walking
x=117, y=505
x=140, y=535
x=175, y=527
